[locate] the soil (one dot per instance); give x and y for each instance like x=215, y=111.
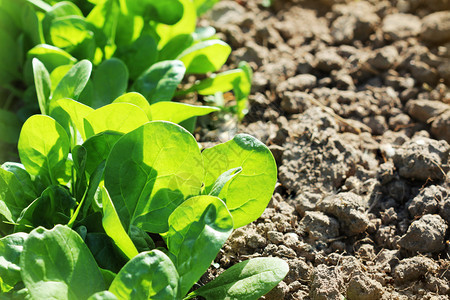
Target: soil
x=353, y=99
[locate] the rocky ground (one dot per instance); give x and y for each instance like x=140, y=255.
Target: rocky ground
x=353, y=99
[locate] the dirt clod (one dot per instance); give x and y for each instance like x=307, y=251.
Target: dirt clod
x=425, y=235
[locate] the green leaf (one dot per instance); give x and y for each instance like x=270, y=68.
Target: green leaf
x=52, y=207
x=120, y=117
x=12, y=197
x=94, y=182
x=73, y=83
x=242, y=89
x=9, y=127
x=198, y=228
x=177, y=37
x=139, y=55
x=98, y=148
x=104, y=16
x=105, y=295
x=58, y=74
x=40, y=4
x=150, y=171
x=223, y=180
x=110, y=81
x=173, y=48
x=79, y=156
x=105, y=252
x=136, y=99
x=73, y=34
x=108, y=277
x=70, y=115
x=114, y=228
x=60, y=9
x=141, y=239
x=177, y=112
x=222, y=82
x=150, y=275
x=248, y=194
x=204, y=33
x=52, y=57
x=204, y=5
x=160, y=81
x=248, y=280
x=206, y=56
x=56, y=264
x=43, y=85
x=43, y=148
x=24, y=178
x=11, y=247
x=167, y=11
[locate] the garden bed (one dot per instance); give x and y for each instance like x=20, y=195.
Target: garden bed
x=353, y=100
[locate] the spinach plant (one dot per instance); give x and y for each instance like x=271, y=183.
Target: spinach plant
x=144, y=46
x=115, y=203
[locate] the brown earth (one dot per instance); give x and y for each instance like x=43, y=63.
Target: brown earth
x=353, y=99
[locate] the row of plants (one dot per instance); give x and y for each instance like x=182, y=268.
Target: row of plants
x=78, y=210
x=145, y=46
x=113, y=197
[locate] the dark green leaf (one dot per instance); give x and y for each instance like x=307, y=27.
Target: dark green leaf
x=12, y=197
x=24, y=178
x=110, y=81
x=94, y=182
x=105, y=252
x=79, y=155
x=56, y=264
x=52, y=207
x=139, y=55
x=160, y=81
x=167, y=11
x=173, y=48
x=141, y=239
x=149, y=275
x=198, y=228
x=98, y=148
